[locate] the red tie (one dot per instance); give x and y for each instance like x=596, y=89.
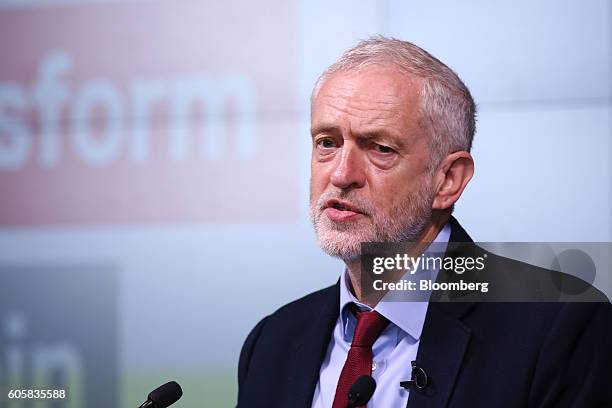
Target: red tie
x=359, y=358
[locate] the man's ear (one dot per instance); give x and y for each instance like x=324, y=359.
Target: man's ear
x=451, y=177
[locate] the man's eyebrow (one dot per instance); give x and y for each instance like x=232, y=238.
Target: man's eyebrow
x=390, y=137
x=376, y=134
x=324, y=128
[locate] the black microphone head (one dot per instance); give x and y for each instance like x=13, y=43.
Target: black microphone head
x=166, y=395
x=361, y=391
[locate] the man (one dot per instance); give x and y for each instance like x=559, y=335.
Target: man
x=392, y=129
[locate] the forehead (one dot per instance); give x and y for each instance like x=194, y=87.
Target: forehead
x=369, y=96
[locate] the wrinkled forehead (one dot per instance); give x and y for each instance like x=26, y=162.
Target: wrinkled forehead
x=385, y=76
x=373, y=92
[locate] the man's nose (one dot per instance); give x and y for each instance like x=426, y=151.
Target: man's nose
x=349, y=171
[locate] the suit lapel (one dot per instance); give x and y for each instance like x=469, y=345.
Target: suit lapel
x=445, y=338
x=443, y=344
x=309, y=352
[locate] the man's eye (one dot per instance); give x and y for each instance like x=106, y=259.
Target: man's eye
x=326, y=143
x=383, y=149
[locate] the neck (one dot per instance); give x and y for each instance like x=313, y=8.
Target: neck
x=429, y=234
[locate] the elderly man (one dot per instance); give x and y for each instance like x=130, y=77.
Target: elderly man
x=392, y=128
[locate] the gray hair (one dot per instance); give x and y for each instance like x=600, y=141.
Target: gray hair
x=448, y=111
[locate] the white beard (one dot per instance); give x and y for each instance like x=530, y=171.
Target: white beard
x=404, y=223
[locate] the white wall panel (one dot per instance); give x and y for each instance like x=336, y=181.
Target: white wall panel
x=541, y=175
x=515, y=50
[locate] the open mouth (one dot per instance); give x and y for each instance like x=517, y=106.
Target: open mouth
x=341, y=211
x=340, y=207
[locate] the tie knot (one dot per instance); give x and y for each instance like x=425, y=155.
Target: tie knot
x=369, y=326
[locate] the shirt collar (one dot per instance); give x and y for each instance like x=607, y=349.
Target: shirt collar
x=408, y=316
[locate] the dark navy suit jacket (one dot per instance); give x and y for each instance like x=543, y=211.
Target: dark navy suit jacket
x=477, y=354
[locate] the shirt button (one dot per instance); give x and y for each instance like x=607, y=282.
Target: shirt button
x=374, y=366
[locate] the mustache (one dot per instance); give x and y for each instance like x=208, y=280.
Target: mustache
x=363, y=206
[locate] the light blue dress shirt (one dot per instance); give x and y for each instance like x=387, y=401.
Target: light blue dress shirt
x=392, y=352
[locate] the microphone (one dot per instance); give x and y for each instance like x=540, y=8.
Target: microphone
x=361, y=391
x=163, y=396
x=418, y=378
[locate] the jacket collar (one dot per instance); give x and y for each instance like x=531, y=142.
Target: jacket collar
x=310, y=349
x=445, y=338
